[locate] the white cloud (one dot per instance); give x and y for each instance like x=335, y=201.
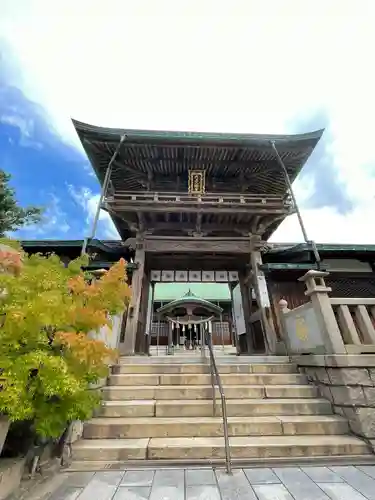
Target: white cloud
x=240, y=66
x=26, y=128
x=54, y=222
x=325, y=225
x=85, y=198
x=25, y=125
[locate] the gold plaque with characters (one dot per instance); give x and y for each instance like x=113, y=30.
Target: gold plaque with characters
x=196, y=182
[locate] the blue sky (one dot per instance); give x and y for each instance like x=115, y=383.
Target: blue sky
x=46, y=171
x=184, y=68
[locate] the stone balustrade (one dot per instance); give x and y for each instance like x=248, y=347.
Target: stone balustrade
x=336, y=337
x=356, y=322
x=326, y=325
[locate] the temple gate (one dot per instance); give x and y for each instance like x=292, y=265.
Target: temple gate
x=197, y=203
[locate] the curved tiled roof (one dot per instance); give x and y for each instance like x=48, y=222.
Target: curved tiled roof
x=190, y=298
x=165, y=157
x=223, y=156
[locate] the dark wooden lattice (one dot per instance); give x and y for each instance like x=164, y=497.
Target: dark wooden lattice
x=352, y=287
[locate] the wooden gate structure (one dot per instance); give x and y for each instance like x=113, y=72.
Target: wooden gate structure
x=195, y=203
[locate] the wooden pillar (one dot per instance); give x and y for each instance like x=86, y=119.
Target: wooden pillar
x=135, y=303
x=170, y=338
x=150, y=315
x=245, y=294
x=232, y=324
x=263, y=300
x=140, y=343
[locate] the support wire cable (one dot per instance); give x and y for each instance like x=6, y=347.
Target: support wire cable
x=103, y=193
x=310, y=243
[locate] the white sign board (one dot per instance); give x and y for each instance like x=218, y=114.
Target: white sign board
x=263, y=291
x=238, y=314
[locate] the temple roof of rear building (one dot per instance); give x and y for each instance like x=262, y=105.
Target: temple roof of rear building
x=290, y=249
x=190, y=298
x=118, y=246
x=109, y=246
x=146, y=152
x=213, y=292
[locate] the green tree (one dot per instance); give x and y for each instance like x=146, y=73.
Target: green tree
x=49, y=354
x=12, y=216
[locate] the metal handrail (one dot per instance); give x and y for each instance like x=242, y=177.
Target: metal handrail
x=215, y=378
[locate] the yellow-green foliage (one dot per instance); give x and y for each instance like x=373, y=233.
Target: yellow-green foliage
x=47, y=358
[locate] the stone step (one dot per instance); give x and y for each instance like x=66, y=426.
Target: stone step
x=119, y=428
x=205, y=379
x=180, y=350
x=213, y=448
x=285, y=461
x=129, y=409
x=255, y=447
x=205, y=392
x=108, y=449
x=201, y=368
x=197, y=358
x=203, y=408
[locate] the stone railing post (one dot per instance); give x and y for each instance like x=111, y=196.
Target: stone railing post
x=283, y=304
x=317, y=291
x=283, y=308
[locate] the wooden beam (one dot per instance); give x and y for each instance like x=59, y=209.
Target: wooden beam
x=117, y=164
x=252, y=187
x=261, y=198
x=255, y=222
x=141, y=221
x=120, y=165
x=150, y=177
x=289, y=266
x=231, y=223
x=261, y=225
x=135, y=207
x=271, y=162
x=216, y=245
x=198, y=225
x=205, y=262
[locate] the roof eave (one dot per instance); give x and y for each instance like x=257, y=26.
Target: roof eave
x=322, y=247
x=183, y=302
x=105, y=134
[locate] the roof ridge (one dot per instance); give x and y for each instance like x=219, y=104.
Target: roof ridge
x=215, y=136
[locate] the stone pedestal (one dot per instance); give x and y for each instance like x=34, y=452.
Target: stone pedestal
x=348, y=381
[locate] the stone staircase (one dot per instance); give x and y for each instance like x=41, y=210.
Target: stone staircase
x=160, y=409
